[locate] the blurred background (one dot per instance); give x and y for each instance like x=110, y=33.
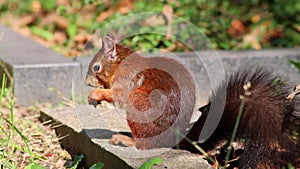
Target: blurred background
x=66, y=25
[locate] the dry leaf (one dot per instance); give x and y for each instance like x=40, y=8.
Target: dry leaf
x=216, y=164
x=59, y=37
x=63, y=2
x=54, y=18
x=104, y=15
x=36, y=6
x=256, y=18
x=26, y=20
x=236, y=29
x=125, y=6
x=252, y=37
x=272, y=34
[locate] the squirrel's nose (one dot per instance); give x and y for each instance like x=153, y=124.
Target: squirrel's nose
x=89, y=81
x=92, y=81
x=90, y=85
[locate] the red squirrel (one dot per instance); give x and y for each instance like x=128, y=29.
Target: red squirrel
x=120, y=71
x=158, y=94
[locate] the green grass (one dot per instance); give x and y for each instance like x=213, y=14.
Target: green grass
x=20, y=146
x=9, y=132
x=237, y=122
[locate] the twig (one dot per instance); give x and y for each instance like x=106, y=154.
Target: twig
x=237, y=122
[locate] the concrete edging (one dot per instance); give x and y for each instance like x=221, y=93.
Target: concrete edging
x=92, y=140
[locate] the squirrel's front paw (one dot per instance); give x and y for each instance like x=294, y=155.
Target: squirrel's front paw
x=98, y=95
x=95, y=97
x=94, y=103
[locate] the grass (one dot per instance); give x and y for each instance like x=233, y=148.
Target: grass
x=237, y=122
x=10, y=132
x=24, y=142
x=27, y=143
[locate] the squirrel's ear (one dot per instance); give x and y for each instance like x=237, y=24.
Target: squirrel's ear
x=108, y=42
x=109, y=46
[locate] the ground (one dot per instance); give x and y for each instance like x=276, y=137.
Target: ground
x=43, y=144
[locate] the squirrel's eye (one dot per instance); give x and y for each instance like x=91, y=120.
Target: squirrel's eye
x=97, y=67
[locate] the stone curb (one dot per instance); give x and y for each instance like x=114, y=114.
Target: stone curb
x=36, y=72
x=42, y=75
x=86, y=130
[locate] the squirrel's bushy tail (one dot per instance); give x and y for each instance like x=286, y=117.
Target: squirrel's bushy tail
x=262, y=120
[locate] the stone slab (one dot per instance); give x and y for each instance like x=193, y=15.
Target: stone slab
x=42, y=75
x=209, y=71
x=86, y=130
x=38, y=74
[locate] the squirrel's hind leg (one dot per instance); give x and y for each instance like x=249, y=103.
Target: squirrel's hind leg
x=120, y=138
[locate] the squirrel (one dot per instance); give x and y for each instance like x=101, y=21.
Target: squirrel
x=142, y=87
x=156, y=101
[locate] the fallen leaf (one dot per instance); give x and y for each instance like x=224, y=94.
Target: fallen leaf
x=256, y=18
x=54, y=18
x=36, y=6
x=252, y=38
x=216, y=164
x=104, y=15
x=82, y=38
x=26, y=20
x=124, y=6
x=272, y=34
x=154, y=20
x=59, y=37
x=63, y=2
x=236, y=29
x=60, y=163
